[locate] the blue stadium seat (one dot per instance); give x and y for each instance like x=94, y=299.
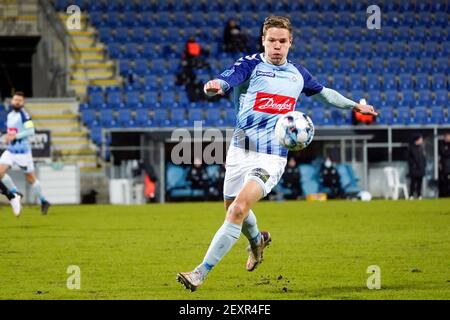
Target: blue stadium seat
x=114, y=50
x=420, y=116
x=422, y=81
x=442, y=65
x=424, y=98
x=168, y=98
x=410, y=65
x=121, y=35
x=107, y=119
x=151, y=83
x=405, y=81
x=141, y=67
x=124, y=118
x=96, y=99
x=355, y=82
x=391, y=98
x=142, y=118
x=150, y=99
x=389, y=81
x=339, y=82
x=344, y=65
x=348, y=179
x=408, y=98
x=96, y=18
x=393, y=65
x=403, y=116
x=183, y=98
x=441, y=98
x=105, y=35
x=372, y=82
x=374, y=98
x=114, y=100
x=177, y=185
x=161, y=118
x=385, y=116
x=147, y=20
x=178, y=117
x=113, y=20
x=88, y=116
x=413, y=48
x=131, y=51
x=309, y=179
x=138, y=35
x=124, y=67
x=431, y=50
x=229, y=119
x=158, y=66
x=213, y=118
x=130, y=19
x=425, y=65
x=133, y=100
x=195, y=115
x=377, y=65
x=437, y=115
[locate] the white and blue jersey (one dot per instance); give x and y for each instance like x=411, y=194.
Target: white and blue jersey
x=262, y=93
x=20, y=124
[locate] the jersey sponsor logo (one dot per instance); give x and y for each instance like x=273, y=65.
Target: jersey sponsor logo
x=265, y=74
x=273, y=103
x=227, y=73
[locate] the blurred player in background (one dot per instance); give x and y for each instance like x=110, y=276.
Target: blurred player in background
x=18, y=152
x=266, y=85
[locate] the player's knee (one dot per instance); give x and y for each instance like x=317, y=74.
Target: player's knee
x=237, y=211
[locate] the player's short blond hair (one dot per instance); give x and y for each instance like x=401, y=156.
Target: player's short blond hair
x=277, y=22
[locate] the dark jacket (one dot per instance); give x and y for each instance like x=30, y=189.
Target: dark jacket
x=416, y=161
x=444, y=154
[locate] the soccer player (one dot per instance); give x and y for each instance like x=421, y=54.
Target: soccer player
x=18, y=152
x=266, y=85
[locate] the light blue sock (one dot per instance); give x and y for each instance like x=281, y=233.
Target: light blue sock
x=223, y=240
x=38, y=190
x=9, y=183
x=250, y=229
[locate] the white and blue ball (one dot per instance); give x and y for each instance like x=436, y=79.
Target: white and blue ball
x=294, y=130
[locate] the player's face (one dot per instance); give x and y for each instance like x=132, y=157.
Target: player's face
x=276, y=42
x=17, y=102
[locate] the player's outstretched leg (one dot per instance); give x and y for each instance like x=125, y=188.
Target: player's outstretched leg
x=257, y=241
x=14, y=199
x=225, y=237
x=36, y=186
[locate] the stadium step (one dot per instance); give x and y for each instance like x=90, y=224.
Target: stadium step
x=70, y=139
x=91, y=64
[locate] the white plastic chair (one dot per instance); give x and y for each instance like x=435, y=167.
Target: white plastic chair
x=393, y=184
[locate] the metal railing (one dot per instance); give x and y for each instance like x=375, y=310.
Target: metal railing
x=53, y=55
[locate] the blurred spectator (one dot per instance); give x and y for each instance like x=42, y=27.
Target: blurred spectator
x=330, y=180
x=417, y=164
x=192, y=59
x=291, y=180
x=198, y=176
x=233, y=39
x=216, y=190
x=444, y=167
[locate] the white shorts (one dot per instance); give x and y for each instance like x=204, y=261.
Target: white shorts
x=23, y=160
x=242, y=165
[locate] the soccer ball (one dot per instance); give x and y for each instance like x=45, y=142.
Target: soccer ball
x=294, y=130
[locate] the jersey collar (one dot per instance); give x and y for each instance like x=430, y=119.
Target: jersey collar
x=278, y=66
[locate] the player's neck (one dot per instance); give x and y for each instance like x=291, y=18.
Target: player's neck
x=273, y=63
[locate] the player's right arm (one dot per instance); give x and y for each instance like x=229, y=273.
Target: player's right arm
x=234, y=76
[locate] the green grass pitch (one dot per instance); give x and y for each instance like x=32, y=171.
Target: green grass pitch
x=319, y=251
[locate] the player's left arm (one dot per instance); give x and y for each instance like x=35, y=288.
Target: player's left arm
x=336, y=99
x=326, y=95
x=29, y=130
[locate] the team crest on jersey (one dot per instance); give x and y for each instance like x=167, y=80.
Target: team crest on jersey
x=273, y=103
x=294, y=79
x=265, y=74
